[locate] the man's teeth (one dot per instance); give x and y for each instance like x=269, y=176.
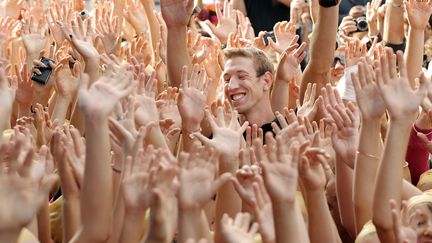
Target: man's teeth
x=237, y=96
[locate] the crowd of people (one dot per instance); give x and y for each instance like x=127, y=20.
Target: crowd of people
x=264, y=121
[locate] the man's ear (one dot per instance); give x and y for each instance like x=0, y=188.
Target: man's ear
x=268, y=80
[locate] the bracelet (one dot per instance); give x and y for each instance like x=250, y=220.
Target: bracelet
x=116, y=170
x=369, y=155
x=405, y=165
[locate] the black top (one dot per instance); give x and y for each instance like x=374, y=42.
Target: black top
x=264, y=14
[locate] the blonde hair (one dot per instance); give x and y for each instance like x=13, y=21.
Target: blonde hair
x=262, y=63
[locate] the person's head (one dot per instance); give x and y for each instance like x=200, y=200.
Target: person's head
x=420, y=216
x=368, y=234
x=338, y=66
x=248, y=77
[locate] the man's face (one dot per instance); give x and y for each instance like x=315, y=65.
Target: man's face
x=243, y=88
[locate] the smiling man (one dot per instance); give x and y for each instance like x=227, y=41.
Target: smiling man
x=248, y=77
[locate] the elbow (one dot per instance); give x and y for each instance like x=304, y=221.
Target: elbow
x=381, y=225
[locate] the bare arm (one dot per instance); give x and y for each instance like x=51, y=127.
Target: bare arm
x=321, y=49
x=418, y=16
x=176, y=15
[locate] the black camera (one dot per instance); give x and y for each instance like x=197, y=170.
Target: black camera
x=362, y=24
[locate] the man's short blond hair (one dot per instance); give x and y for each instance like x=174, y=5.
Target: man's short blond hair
x=260, y=60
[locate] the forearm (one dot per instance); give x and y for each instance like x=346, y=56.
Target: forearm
x=92, y=69
x=285, y=221
x=323, y=42
x=414, y=53
x=157, y=138
x=366, y=167
x=60, y=109
x=189, y=224
x=71, y=217
x=389, y=178
x=344, y=186
x=322, y=39
x=319, y=214
x=394, y=24
x=177, y=54
x=5, y=118
x=152, y=21
x=43, y=224
x=96, y=196
x=227, y=199
x=280, y=95
x=133, y=226
x=119, y=220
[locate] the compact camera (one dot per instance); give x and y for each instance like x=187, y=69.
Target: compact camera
x=361, y=24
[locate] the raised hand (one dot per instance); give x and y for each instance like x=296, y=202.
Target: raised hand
x=103, y=95
x=192, y=99
x=372, y=15
x=314, y=162
x=353, y=52
x=63, y=13
x=137, y=182
x=402, y=102
x=226, y=135
x=197, y=182
x=24, y=93
x=285, y=34
x=280, y=169
x=167, y=105
x=310, y=105
x=245, y=27
x=238, y=230
x=368, y=96
x=22, y=195
x=290, y=60
x=345, y=122
x=146, y=111
x=227, y=21
x=34, y=35
x=418, y=13
x=176, y=13
x=401, y=225
x=80, y=34
x=108, y=32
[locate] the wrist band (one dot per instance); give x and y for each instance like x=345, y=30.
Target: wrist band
x=368, y=155
x=328, y=3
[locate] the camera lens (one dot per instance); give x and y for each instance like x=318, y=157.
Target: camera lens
x=362, y=24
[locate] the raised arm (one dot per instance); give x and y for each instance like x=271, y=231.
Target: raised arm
x=370, y=147
x=322, y=46
x=96, y=198
x=176, y=14
x=402, y=104
x=418, y=16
